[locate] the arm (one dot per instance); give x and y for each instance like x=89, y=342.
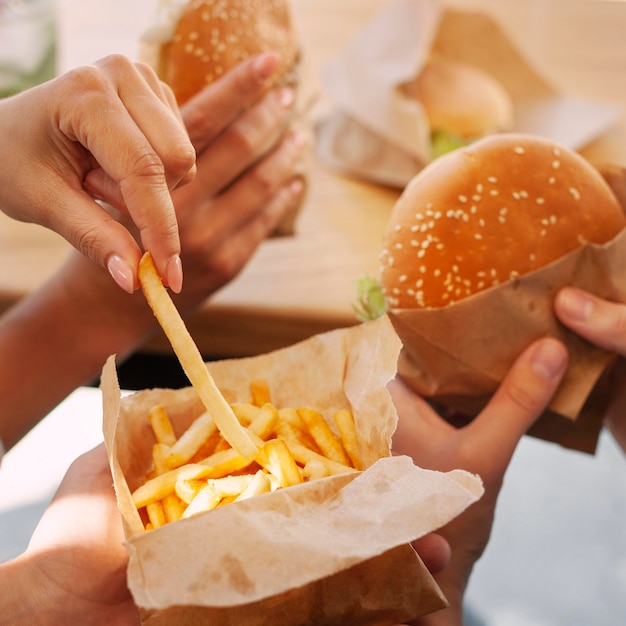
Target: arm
x=58, y=338
x=603, y=324
x=483, y=447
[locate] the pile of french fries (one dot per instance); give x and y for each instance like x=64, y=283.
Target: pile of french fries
x=199, y=471
x=232, y=451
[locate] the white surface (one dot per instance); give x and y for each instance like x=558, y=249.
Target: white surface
x=32, y=470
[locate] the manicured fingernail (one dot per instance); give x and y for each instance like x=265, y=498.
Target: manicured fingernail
x=548, y=359
x=285, y=97
x=576, y=305
x=175, y=273
x=121, y=272
x=265, y=66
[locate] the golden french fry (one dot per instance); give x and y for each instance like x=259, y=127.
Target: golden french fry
x=259, y=484
x=264, y=423
x=156, y=514
x=161, y=425
x=231, y=485
x=158, y=487
x=290, y=415
x=276, y=459
x=260, y=392
x=206, y=500
x=328, y=442
x=344, y=420
x=315, y=469
x=304, y=455
x=172, y=506
x=187, y=490
x=223, y=463
x=191, y=360
x=245, y=411
x=191, y=440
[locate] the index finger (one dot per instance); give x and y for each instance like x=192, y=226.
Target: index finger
x=227, y=98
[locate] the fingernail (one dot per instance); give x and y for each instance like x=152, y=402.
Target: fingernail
x=285, y=97
x=121, y=273
x=175, y=273
x=265, y=66
x=575, y=304
x=548, y=359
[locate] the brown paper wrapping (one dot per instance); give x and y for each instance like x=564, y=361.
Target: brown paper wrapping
x=373, y=131
x=459, y=354
x=332, y=551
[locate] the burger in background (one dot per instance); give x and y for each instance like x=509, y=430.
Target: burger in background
x=462, y=103
x=192, y=43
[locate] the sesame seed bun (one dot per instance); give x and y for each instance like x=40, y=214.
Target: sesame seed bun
x=212, y=36
x=460, y=99
x=488, y=213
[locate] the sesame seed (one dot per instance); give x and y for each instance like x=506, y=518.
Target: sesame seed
x=556, y=164
x=551, y=180
x=478, y=236
x=575, y=193
x=402, y=278
x=493, y=192
x=492, y=179
x=462, y=198
x=540, y=200
x=479, y=188
x=518, y=150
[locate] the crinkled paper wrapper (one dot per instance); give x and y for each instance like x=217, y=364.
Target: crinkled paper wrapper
x=458, y=355
x=332, y=551
x=376, y=133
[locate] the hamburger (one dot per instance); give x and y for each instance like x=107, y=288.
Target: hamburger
x=476, y=248
x=489, y=213
x=462, y=103
x=194, y=42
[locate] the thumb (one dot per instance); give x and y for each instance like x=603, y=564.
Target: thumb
x=519, y=401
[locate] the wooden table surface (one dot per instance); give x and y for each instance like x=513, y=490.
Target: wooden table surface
x=305, y=284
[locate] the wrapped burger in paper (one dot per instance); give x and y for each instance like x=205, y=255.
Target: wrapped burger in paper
x=331, y=551
x=457, y=355
x=376, y=132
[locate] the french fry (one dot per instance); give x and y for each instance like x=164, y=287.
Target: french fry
x=245, y=411
x=172, y=506
x=191, y=360
x=231, y=485
x=259, y=484
x=304, y=455
x=158, y=487
x=187, y=489
x=161, y=425
x=156, y=515
x=191, y=440
x=206, y=500
x=328, y=442
x=344, y=420
x=315, y=469
x=264, y=424
x=276, y=459
x=260, y=392
x=223, y=463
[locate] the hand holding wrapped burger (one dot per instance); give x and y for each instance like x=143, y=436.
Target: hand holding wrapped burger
x=476, y=249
